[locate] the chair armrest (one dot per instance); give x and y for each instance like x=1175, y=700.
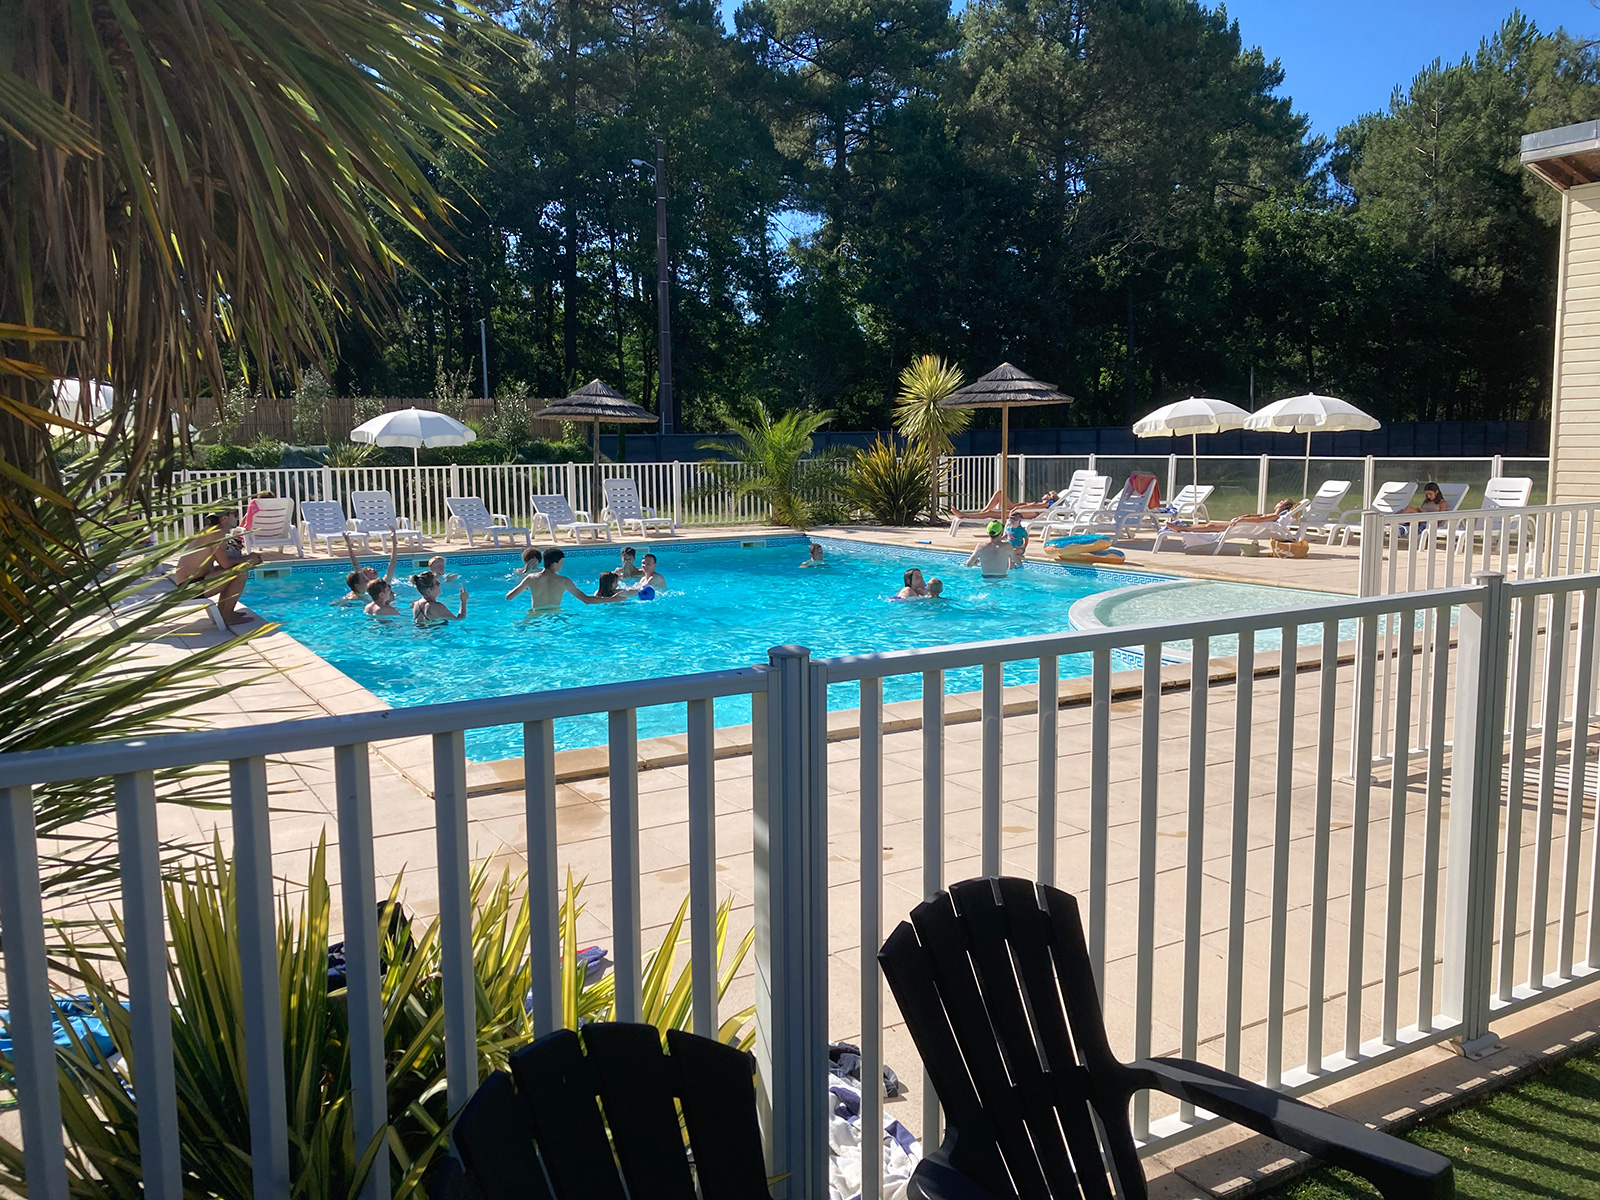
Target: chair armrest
x=582, y=514
x=646, y=511
x=935, y=1179
x=1398, y=1169
x=499, y=519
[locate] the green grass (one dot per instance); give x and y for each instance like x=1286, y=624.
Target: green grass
x=1541, y=1138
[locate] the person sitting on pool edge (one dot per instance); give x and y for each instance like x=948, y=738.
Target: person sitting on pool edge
x=362, y=577
x=994, y=555
x=220, y=551
x=915, y=587
x=629, y=569
x=428, y=610
x=546, y=588
x=380, y=599
x=814, y=556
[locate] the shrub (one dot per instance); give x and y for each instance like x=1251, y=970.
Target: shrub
x=226, y=458
x=483, y=452
x=311, y=407
x=771, y=461
x=508, y=422
x=566, y=450
x=890, y=483
x=265, y=452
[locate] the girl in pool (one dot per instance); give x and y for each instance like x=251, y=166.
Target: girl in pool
x=437, y=570
x=629, y=568
x=428, y=610
x=380, y=599
x=814, y=556
x=607, y=591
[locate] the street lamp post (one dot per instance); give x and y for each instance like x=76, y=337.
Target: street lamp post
x=663, y=311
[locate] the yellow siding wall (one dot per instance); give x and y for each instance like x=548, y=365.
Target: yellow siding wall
x=1575, y=422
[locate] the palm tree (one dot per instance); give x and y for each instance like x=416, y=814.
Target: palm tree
x=189, y=181
x=772, y=462
x=929, y=428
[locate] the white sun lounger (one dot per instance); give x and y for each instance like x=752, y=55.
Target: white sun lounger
x=1065, y=517
x=158, y=587
x=1127, y=512
x=324, y=520
x=1320, y=513
x=555, y=516
x=373, y=514
x=1394, y=497
x=469, y=515
x=1067, y=501
x=623, y=509
x=273, y=525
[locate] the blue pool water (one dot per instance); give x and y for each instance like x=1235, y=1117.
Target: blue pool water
x=724, y=606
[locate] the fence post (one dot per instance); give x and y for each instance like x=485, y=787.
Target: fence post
x=677, y=493
x=1368, y=472
x=1022, y=479
x=791, y=910
x=1092, y=467
x=1261, y=484
x=1497, y=466
x=1475, y=777
x=1369, y=572
x=455, y=480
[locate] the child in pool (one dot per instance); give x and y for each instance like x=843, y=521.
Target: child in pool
x=607, y=589
x=1017, y=535
x=428, y=610
x=437, y=570
x=532, y=561
x=814, y=556
x=629, y=569
x=361, y=578
x=380, y=599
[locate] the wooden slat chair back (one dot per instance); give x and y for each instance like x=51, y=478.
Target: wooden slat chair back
x=994, y=982
x=596, y=1118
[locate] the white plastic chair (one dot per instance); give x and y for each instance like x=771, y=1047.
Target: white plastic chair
x=471, y=516
x=1124, y=514
x=1067, y=500
x=324, y=520
x=623, y=509
x=273, y=525
x=1392, y=498
x=1190, y=502
x=1510, y=492
x=554, y=515
x=1065, y=517
x=1320, y=513
x=373, y=514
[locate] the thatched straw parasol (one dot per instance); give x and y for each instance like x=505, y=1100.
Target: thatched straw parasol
x=597, y=403
x=1004, y=388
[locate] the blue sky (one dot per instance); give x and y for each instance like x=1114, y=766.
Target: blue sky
x=1341, y=58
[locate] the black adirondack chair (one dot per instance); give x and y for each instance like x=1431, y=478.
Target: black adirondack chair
x=994, y=982
x=538, y=1133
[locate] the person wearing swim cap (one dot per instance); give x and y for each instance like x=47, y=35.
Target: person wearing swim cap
x=992, y=557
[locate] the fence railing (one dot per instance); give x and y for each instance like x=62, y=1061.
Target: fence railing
x=1246, y=902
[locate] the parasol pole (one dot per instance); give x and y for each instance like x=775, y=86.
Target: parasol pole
x=1305, y=477
x=1194, y=459
x=416, y=487
x=1005, y=469
x=594, y=487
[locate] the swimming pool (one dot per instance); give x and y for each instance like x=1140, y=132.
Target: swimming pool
x=725, y=604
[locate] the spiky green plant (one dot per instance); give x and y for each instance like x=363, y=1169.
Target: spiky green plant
x=773, y=462
x=890, y=483
x=101, y=1120
x=919, y=418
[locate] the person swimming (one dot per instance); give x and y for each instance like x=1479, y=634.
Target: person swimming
x=437, y=568
x=380, y=599
x=606, y=590
x=428, y=610
x=935, y=588
x=629, y=569
x=547, y=587
x=532, y=560
x=814, y=556
x=361, y=578
x=649, y=576
x=993, y=557
x=915, y=588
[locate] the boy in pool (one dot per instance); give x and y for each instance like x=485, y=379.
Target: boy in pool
x=362, y=577
x=428, y=610
x=1017, y=535
x=993, y=557
x=814, y=556
x=380, y=599
x=935, y=588
x=915, y=588
x=436, y=568
x=629, y=569
x=546, y=588
x=532, y=560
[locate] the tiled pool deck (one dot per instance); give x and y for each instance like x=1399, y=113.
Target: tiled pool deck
x=291, y=682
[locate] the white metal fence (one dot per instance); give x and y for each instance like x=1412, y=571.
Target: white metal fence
x=1245, y=903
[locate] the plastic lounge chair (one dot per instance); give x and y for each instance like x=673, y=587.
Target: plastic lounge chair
x=555, y=516
x=273, y=525
x=1065, y=518
x=1506, y=492
x=994, y=981
x=1320, y=513
x=372, y=514
x=991, y=512
x=157, y=587
x=1251, y=528
x=324, y=520
x=623, y=509
x=537, y=1133
x=1392, y=498
x=1190, y=503
x=1126, y=512
x=1066, y=501
x=471, y=516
